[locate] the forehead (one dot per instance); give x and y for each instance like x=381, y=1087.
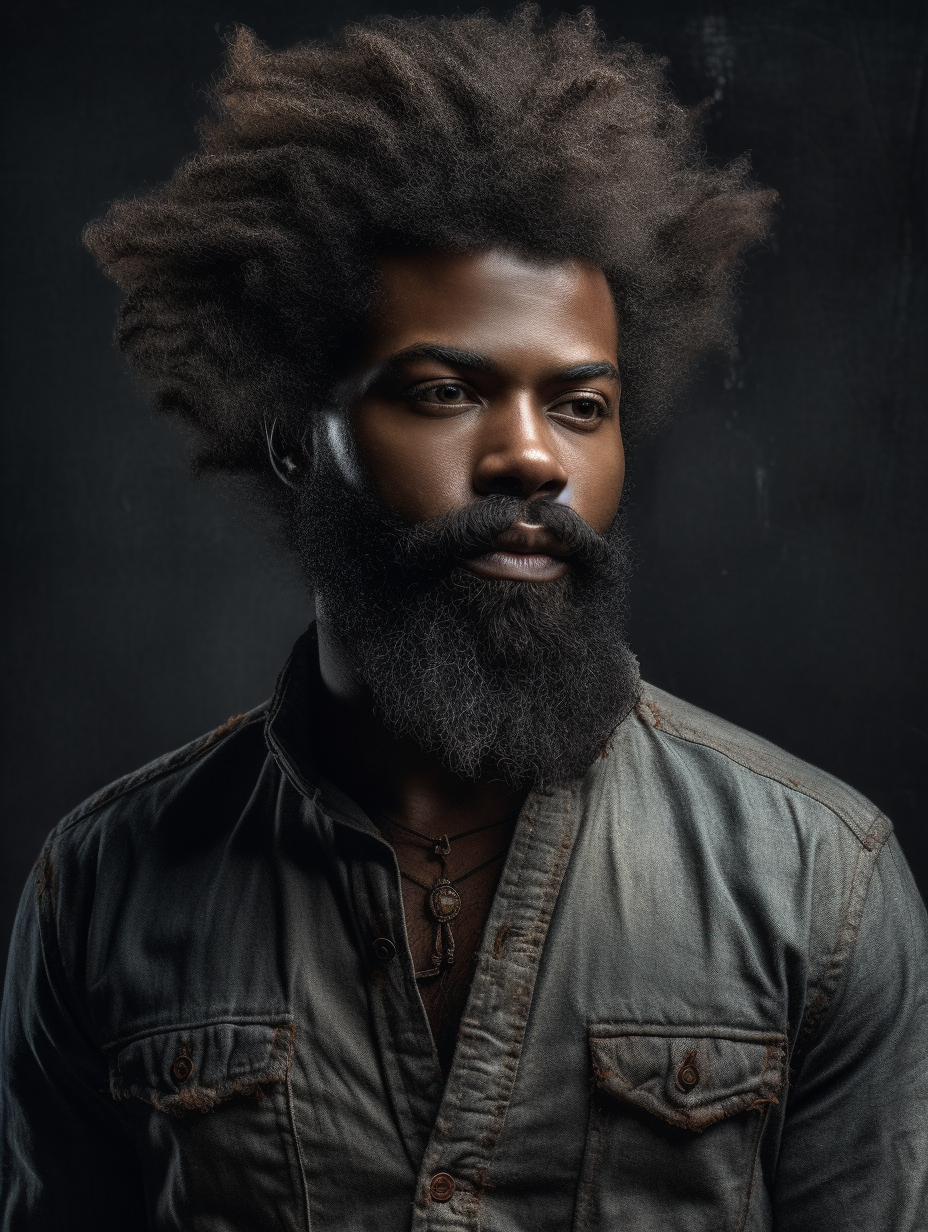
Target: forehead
x=495, y=303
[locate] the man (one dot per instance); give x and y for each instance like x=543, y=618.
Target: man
x=467, y=928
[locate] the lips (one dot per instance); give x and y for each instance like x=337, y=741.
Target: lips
x=524, y=552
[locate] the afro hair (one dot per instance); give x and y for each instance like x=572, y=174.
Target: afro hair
x=248, y=274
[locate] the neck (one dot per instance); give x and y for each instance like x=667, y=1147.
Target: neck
x=391, y=774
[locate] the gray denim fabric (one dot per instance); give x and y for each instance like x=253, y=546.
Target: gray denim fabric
x=699, y=1006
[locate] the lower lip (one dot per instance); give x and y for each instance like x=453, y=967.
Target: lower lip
x=518, y=566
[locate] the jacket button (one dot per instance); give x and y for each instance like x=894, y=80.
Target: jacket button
x=441, y=1187
x=384, y=950
x=182, y=1069
x=688, y=1076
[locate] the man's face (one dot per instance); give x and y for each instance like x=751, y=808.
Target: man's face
x=483, y=373
x=458, y=520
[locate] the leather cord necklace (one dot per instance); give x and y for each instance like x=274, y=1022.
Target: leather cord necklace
x=443, y=902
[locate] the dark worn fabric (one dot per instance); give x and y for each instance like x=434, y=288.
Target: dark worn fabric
x=700, y=1004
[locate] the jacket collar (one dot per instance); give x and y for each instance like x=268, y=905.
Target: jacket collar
x=291, y=732
x=290, y=729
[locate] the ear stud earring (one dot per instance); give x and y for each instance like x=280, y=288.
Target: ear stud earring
x=285, y=465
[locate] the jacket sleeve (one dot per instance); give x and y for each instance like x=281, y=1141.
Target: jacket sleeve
x=854, y=1155
x=66, y=1158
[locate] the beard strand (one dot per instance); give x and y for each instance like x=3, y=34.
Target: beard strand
x=525, y=681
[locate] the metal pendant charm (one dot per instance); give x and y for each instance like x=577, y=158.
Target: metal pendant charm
x=444, y=901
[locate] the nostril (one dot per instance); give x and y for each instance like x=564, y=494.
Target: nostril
x=548, y=491
x=506, y=485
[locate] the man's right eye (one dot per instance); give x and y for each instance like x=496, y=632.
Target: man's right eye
x=448, y=393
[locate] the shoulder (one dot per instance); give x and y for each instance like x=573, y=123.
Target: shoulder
x=752, y=763
x=134, y=855
x=232, y=753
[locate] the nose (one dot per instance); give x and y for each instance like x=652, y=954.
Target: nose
x=517, y=454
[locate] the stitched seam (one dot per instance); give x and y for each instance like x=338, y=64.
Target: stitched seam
x=764, y=1087
x=823, y=985
x=282, y=1019
x=549, y=899
x=749, y=1191
x=621, y=1030
x=589, y=1166
x=870, y=836
x=299, y=1150
x=46, y=913
x=512, y=1063
x=454, y=1109
x=247, y=1081
x=517, y=885
x=529, y=965
x=175, y=761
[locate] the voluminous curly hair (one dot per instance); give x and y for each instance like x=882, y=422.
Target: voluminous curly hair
x=248, y=274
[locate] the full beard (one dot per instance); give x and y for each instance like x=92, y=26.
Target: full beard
x=524, y=681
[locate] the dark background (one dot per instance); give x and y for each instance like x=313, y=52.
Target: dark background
x=781, y=522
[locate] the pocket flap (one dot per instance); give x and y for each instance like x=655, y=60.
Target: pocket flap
x=691, y=1077
x=191, y=1069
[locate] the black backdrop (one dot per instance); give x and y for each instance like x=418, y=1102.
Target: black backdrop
x=780, y=523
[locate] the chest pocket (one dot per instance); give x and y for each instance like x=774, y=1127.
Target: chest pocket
x=210, y=1109
x=194, y=1069
x=675, y=1121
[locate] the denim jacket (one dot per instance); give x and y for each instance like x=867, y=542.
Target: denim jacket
x=699, y=1004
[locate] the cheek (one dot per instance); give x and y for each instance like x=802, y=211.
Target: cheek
x=421, y=467
x=418, y=467
x=597, y=473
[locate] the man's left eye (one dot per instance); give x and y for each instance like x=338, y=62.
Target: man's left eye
x=586, y=409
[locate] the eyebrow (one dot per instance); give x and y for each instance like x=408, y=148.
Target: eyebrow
x=478, y=362
x=587, y=372
x=456, y=356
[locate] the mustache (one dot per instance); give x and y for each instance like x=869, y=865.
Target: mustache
x=442, y=542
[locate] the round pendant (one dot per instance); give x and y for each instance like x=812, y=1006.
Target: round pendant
x=444, y=901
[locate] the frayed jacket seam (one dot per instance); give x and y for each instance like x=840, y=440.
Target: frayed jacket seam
x=874, y=838
x=178, y=760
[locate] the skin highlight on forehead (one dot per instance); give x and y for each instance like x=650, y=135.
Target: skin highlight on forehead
x=498, y=300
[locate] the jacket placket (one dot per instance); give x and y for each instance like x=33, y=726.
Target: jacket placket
x=456, y=1171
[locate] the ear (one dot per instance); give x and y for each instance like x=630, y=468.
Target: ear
x=287, y=464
